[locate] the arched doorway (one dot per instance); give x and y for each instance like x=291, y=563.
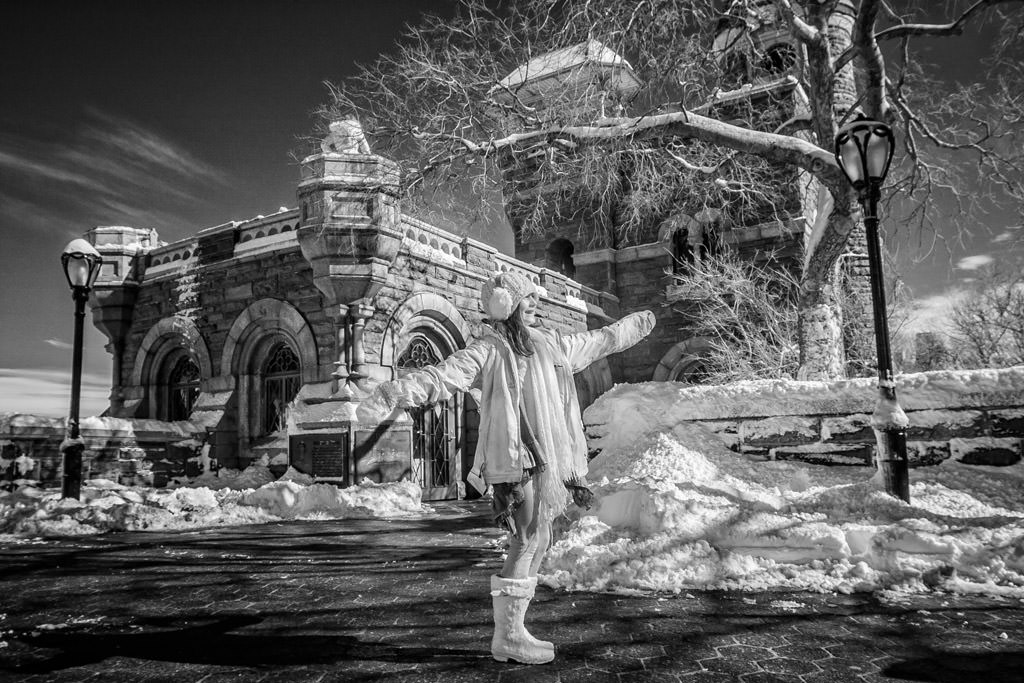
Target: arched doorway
x=435, y=427
x=686, y=361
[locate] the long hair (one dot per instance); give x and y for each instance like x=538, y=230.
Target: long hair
x=516, y=333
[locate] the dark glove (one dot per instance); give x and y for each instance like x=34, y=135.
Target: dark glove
x=505, y=499
x=581, y=495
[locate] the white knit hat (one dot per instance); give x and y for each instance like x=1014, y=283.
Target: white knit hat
x=503, y=292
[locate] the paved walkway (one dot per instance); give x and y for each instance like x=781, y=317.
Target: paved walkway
x=407, y=601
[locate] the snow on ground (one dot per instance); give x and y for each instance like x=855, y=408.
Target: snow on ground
x=225, y=498
x=674, y=509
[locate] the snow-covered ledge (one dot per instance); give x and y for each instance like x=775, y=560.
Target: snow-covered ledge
x=974, y=416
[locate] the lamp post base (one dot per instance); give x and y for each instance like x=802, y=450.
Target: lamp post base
x=892, y=462
x=71, y=483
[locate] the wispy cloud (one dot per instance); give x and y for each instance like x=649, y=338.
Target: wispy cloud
x=932, y=313
x=37, y=217
x=39, y=170
x=974, y=262
x=144, y=149
x=48, y=392
x=1003, y=237
x=57, y=343
x=107, y=170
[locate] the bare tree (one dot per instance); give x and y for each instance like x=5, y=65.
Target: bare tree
x=746, y=314
x=450, y=106
x=988, y=322
x=931, y=352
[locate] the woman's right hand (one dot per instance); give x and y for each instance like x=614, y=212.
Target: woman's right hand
x=375, y=407
x=648, y=319
x=645, y=321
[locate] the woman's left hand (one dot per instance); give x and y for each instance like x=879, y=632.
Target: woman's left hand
x=581, y=496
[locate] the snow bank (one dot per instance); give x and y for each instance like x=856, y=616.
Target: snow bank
x=108, y=506
x=675, y=509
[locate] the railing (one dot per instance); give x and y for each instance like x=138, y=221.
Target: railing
x=170, y=258
x=443, y=243
x=260, y=228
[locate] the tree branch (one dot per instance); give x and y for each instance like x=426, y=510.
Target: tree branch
x=953, y=28
x=801, y=29
x=687, y=125
x=874, y=64
x=905, y=29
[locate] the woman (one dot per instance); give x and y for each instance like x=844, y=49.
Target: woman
x=531, y=447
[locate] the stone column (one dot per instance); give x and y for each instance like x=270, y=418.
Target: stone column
x=115, y=349
x=359, y=314
x=338, y=315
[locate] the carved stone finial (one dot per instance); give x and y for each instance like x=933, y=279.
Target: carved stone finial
x=345, y=137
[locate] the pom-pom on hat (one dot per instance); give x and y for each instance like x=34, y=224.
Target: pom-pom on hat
x=503, y=292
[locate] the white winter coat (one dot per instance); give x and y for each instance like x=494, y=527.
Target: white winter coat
x=553, y=410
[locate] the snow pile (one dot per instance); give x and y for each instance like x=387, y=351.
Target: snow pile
x=253, y=476
x=107, y=506
x=291, y=500
x=674, y=509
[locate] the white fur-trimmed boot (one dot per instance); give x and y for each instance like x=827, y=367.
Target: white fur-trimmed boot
x=511, y=598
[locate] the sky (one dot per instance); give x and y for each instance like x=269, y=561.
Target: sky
x=177, y=116
x=180, y=116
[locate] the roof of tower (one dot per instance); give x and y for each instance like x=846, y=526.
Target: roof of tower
x=558, y=64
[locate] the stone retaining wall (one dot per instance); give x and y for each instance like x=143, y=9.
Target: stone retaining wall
x=126, y=451
x=973, y=416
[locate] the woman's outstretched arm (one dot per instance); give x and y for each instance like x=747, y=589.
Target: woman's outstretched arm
x=585, y=348
x=435, y=383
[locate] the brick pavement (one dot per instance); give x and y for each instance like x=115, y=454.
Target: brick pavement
x=407, y=600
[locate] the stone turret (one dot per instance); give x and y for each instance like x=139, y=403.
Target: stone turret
x=350, y=233
x=113, y=297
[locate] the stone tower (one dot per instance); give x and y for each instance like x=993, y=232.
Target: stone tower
x=754, y=54
x=579, y=239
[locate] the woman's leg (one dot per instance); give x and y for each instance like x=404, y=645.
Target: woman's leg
x=514, y=588
x=523, y=546
x=543, y=538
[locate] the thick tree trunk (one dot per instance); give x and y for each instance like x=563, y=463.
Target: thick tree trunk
x=821, y=341
x=822, y=349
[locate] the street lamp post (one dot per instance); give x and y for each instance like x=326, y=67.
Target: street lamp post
x=81, y=266
x=864, y=150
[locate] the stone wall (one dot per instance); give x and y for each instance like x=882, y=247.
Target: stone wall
x=972, y=416
x=125, y=451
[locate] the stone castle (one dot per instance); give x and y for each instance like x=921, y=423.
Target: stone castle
x=259, y=337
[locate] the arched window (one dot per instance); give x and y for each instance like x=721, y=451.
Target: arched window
x=281, y=381
x=710, y=244
x=559, y=257
x=735, y=70
x=682, y=252
x=180, y=388
x=778, y=59
x=419, y=354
